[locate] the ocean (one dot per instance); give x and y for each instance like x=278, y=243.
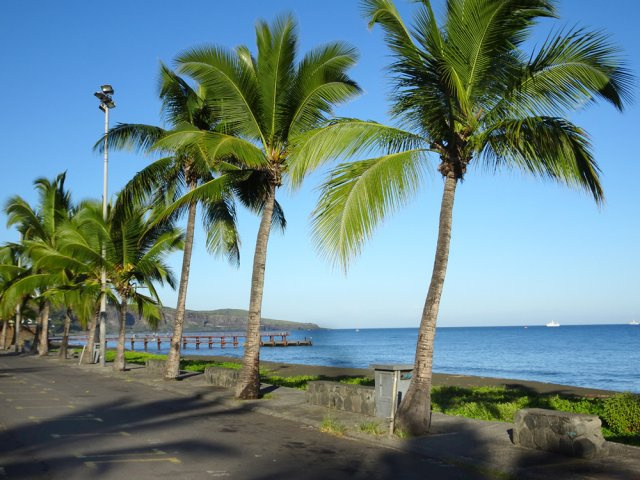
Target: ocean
x=594, y=356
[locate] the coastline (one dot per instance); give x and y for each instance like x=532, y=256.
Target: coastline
x=439, y=379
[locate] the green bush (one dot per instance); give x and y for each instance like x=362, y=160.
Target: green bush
x=622, y=413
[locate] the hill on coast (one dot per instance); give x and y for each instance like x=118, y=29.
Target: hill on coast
x=228, y=319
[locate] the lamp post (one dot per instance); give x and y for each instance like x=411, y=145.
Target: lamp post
x=106, y=103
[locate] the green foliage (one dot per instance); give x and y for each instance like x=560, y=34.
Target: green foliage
x=136, y=358
x=332, y=426
x=298, y=381
x=364, y=381
x=622, y=414
x=200, y=365
x=371, y=428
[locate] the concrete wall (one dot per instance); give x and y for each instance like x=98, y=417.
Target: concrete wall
x=222, y=377
x=351, y=398
x=155, y=366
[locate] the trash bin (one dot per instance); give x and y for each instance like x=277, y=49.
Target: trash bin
x=96, y=353
x=391, y=383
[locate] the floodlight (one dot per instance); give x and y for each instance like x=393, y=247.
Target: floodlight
x=108, y=89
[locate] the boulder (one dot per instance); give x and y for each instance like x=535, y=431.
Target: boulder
x=572, y=434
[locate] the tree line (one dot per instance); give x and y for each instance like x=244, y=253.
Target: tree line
x=241, y=123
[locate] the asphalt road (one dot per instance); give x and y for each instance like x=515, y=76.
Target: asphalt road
x=58, y=422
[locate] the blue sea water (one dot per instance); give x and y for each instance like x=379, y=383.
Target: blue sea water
x=596, y=356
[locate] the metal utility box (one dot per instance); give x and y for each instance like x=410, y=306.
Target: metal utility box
x=391, y=383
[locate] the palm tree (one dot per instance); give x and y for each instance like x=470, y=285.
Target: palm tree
x=11, y=269
x=136, y=246
x=39, y=226
x=471, y=95
x=266, y=103
x=173, y=177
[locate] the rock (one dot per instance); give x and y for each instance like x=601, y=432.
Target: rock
x=572, y=434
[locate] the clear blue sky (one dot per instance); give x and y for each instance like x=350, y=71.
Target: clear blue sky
x=523, y=251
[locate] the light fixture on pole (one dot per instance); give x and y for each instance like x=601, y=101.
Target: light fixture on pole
x=106, y=103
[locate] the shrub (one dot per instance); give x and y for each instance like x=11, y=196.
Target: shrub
x=622, y=413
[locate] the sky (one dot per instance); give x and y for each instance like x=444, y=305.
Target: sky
x=523, y=251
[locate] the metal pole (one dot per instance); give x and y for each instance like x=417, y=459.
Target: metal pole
x=103, y=274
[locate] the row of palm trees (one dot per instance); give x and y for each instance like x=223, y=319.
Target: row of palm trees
x=239, y=126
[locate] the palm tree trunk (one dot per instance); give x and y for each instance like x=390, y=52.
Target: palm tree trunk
x=414, y=414
x=3, y=336
x=36, y=338
x=172, y=369
x=91, y=337
x=16, y=329
x=44, y=333
x=64, y=345
x=249, y=383
x=119, y=363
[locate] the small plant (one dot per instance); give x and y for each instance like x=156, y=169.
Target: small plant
x=401, y=434
x=371, y=428
x=266, y=396
x=332, y=426
x=622, y=414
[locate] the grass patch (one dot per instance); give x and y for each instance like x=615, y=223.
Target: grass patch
x=200, y=365
x=332, y=426
x=620, y=413
x=136, y=358
x=371, y=428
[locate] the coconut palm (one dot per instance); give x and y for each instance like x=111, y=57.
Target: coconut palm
x=471, y=95
x=39, y=225
x=174, y=176
x=136, y=247
x=266, y=101
x=11, y=269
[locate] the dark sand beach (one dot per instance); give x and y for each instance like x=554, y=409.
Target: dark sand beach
x=439, y=379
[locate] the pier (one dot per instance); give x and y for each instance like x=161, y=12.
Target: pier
x=220, y=340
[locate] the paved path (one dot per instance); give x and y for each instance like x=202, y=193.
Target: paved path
x=63, y=422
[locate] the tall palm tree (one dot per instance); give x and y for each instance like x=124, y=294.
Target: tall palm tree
x=136, y=247
x=170, y=178
x=39, y=225
x=266, y=101
x=471, y=94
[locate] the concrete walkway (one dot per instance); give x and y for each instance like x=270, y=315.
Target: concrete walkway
x=216, y=435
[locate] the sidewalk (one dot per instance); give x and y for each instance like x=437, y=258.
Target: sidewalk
x=481, y=445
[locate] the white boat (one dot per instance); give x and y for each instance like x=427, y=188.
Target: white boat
x=553, y=323
x=634, y=322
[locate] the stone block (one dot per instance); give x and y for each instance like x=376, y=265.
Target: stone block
x=572, y=434
x=222, y=377
x=155, y=367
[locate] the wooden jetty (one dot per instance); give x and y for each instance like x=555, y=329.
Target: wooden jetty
x=221, y=340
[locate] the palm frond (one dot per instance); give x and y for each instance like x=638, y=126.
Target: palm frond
x=231, y=82
x=358, y=196
x=546, y=147
x=136, y=137
x=344, y=139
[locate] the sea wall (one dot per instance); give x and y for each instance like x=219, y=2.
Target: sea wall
x=351, y=398
x=222, y=377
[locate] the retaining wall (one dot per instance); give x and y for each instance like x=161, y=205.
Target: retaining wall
x=342, y=396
